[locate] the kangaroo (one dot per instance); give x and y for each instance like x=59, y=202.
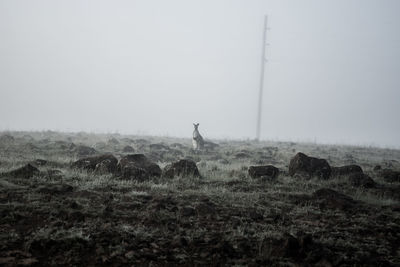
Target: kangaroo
x=198, y=141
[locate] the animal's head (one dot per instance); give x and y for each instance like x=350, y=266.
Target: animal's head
x=196, y=125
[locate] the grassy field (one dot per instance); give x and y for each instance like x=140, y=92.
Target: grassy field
x=67, y=216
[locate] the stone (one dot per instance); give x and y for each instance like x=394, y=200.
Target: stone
x=389, y=175
x=128, y=149
x=346, y=170
x=55, y=188
x=262, y=171
x=26, y=171
x=361, y=180
x=303, y=164
x=377, y=168
x=138, y=167
x=85, y=150
x=105, y=162
x=183, y=168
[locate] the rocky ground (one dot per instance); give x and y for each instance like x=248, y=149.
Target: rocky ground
x=85, y=199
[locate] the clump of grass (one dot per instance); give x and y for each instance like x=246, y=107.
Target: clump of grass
x=374, y=198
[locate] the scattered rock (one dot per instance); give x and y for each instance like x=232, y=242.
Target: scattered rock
x=389, y=175
x=85, y=151
x=377, y=168
x=54, y=189
x=137, y=166
x=182, y=168
x=128, y=149
x=26, y=171
x=361, y=180
x=262, y=171
x=303, y=164
x=99, y=163
x=346, y=170
x=288, y=246
x=242, y=155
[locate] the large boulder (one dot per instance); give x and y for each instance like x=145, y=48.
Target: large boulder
x=346, y=170
x=358, y=179
x=309, y=166
x=103, y=163
x=26, y=171
x=183, y=167
x=263, y=171
x=137, y=167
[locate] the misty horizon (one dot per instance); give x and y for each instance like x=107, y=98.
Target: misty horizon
x=154, y=68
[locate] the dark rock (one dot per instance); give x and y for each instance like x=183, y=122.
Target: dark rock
x=346, y=170
x=128, y=149
x=182, y=168
x=104, y=162
x=329, y=198
x=287, y=246
x=361, y=180
x=138, y=167
x=55, y=188
x=62, y=145
x=26, y=171
x=377, y=168
x=242, y=155
x=389, y=175
x=85, y=151
x=261, y=171
x=303, y=164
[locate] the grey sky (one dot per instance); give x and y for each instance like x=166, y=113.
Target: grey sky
x=154, y=67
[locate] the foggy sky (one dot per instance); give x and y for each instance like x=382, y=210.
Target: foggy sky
x=155, y=67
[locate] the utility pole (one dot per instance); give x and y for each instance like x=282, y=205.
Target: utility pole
x=263, y=61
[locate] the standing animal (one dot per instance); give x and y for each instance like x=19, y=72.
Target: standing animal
x=197, y=140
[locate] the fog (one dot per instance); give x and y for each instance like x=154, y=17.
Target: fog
x=156, y=67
